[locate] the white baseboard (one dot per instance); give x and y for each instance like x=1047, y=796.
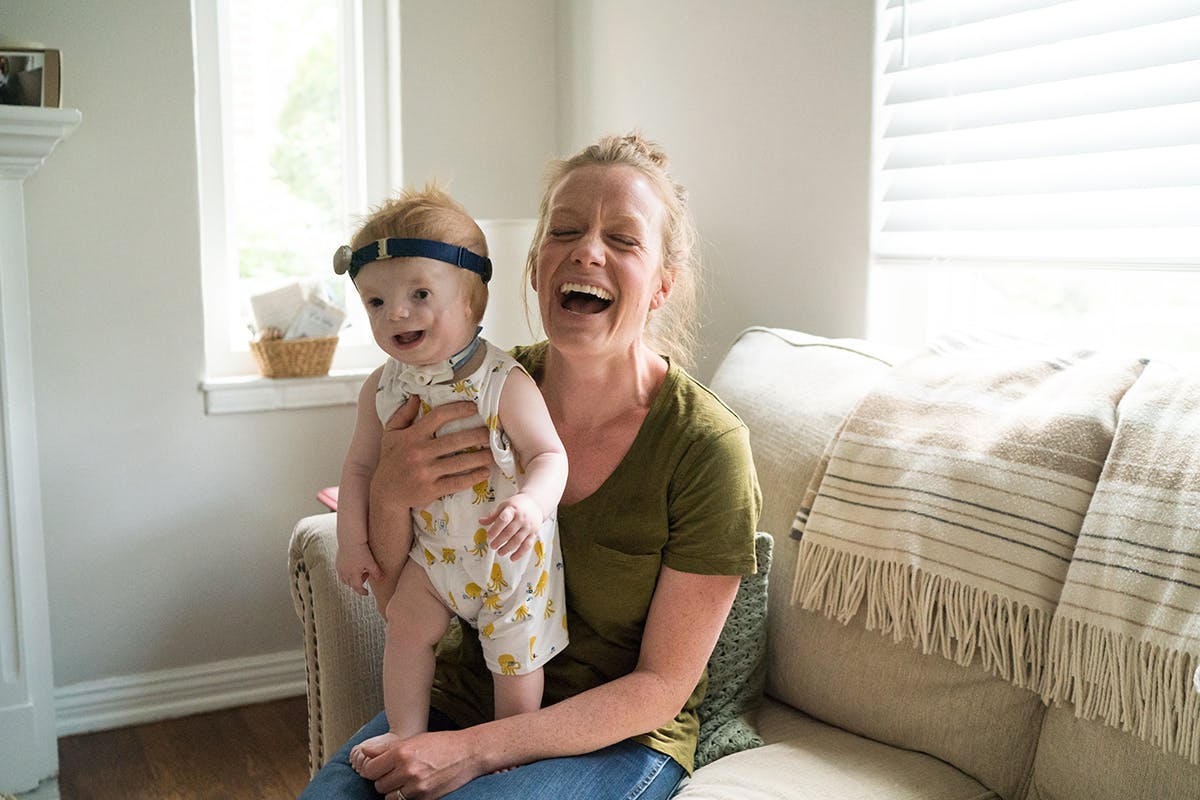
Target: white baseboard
x=148, y=697
x=46, y=790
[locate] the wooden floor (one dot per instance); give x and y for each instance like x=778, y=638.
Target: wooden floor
x=258, y=751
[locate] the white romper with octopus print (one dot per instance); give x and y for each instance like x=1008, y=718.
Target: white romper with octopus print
x=518, y=607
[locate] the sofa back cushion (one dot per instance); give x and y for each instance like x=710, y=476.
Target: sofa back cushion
x=1084, y=758
x=793, y=390
x=867, y=684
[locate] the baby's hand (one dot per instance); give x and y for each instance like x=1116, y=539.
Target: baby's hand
x=513, y=525
x=355, y=565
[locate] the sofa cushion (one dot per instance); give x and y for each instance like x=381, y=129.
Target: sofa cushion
x=805, y=759
x=864, y=682
x=737, y=668
x=1082, y=758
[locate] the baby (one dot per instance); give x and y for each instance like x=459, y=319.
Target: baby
x=420, y=266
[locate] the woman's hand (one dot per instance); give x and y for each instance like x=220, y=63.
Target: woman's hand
x=416, y=466
x=422, y=767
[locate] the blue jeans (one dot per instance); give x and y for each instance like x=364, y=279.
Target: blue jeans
x=623, y=771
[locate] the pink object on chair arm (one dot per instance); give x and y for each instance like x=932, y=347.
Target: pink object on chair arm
x=329, y=497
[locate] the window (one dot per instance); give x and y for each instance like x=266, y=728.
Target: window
x=291, y=107
x=1037, y=170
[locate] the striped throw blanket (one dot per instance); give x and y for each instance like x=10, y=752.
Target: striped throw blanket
x=952, y=496
x=1039, y=512
x=1125, y=641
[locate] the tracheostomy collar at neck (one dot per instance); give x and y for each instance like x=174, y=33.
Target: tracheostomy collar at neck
x=440, y=371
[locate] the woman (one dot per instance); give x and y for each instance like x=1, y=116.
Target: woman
x=656, y=523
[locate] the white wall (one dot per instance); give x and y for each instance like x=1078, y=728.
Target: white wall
x=166, y=529
x=479, y=86
x=764, y=108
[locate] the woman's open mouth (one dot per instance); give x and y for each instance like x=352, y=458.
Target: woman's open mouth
x=582, y=298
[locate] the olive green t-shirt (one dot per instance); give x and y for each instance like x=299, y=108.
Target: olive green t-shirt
x=685, y=496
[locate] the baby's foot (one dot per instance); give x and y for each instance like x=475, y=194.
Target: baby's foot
x=365, y=750
x=357, y=758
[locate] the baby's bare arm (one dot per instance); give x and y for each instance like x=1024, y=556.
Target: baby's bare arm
x=355, y=562
x=525, y=419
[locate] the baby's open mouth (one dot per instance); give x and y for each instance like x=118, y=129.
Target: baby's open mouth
x=408, y=338
x=584, y=299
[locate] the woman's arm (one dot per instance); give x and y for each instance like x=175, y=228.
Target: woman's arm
x=685, y=618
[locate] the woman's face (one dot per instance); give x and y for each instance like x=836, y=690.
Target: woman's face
x=599, y=265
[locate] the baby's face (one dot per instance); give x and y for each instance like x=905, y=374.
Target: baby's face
x=418, y=307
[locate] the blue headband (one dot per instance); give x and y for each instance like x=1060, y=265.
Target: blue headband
x=347, y=260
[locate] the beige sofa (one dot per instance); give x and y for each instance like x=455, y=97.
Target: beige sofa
x=847, y=713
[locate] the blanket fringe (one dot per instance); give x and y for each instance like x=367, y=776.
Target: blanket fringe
x=935, y=613
x=1135, y=686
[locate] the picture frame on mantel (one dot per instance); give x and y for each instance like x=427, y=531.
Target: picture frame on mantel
x=30, y=77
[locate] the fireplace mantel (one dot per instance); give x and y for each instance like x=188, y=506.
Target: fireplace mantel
x=27, y=731
x=27, y=135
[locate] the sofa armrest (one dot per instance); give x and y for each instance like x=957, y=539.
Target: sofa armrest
x=343, y=640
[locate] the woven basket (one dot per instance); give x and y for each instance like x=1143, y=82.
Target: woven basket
x=294, y=358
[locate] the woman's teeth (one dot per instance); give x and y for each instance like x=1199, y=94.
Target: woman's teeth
x=584, y=299
x=594, y=291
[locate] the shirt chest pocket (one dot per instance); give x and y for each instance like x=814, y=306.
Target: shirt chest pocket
x=611, y=590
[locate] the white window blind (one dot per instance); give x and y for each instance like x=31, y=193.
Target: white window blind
x=1035, y=131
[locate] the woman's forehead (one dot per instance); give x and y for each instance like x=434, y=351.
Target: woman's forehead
x=618, y=189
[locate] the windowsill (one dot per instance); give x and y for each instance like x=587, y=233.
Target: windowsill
x=251, y=393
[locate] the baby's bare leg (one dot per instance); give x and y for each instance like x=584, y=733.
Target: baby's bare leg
x=390, y=550
x=416, y=620
x=517, y=694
